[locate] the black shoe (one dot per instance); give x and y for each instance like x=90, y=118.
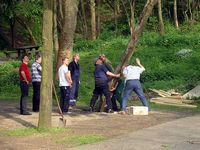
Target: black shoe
x=26, y=113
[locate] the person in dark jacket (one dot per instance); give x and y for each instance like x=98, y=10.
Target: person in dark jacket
x=74, y=69
x=101, y=74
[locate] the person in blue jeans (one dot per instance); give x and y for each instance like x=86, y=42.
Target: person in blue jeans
x=132, y=83
x=74, y=69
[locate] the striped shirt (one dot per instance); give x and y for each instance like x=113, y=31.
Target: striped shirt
x=36, y=72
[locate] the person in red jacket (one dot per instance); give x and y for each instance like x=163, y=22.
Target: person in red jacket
x=25, y=78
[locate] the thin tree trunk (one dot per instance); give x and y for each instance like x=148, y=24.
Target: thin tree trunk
x=98, y=18
x=47, y=66
x=85, y=27
x=93, y=20
x=134, y=37
x=115, y=13
x=132, y=20
x=23, y=23
x=175, y=14
x=12, y=30
x=70, y=8
x=55, y=28
x=161, y=24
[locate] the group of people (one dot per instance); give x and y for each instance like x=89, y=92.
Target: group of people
x=102, y=73
x=69, y=80
x=25, y=79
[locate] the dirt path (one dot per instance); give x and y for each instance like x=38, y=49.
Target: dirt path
x=79, y=122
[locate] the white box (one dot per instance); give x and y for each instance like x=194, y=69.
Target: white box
x=137, y=110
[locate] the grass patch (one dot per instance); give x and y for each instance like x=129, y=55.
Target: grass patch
x=31, y=131
x=81, y=139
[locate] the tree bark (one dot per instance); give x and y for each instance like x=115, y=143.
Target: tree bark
x=55, y=28
x=85, y=27
x=47, y=66
x=93, y=20
x=175, y=14
x=161, y=24
x=70, y=8
x=98, y=18
x=134, y=37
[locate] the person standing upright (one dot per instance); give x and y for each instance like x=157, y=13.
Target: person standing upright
x=75, y=76
x=36, y=81
x=25, y=78
x=132, y=83
x=65, y=84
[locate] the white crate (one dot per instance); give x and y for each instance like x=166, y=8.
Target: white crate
x=137, y=110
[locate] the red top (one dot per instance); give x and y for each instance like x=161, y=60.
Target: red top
x=24, y=67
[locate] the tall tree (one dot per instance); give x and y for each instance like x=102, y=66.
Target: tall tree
x=55, y=27
x=161, y=24
x=93, y=20
x=136, y=33
x=68, y=26
x=98, y=17
x=84, y=19
x=175, y=14
x=47, y=66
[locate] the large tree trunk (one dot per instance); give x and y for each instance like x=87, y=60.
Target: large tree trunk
x=55, y=28
x=47, y=66
x=175, y=14
x=93, y=20
x=68, y=26
x=161, y=24
x=134, y=37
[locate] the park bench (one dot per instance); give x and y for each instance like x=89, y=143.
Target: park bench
x=19, y=51
x=26, y=50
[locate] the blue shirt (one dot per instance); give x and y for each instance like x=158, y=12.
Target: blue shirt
x=100, y=72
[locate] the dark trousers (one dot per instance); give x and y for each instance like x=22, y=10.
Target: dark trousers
x=74, y=89
x=64, y=98
x=24, y=96
x=101, y=87
x=36, y=96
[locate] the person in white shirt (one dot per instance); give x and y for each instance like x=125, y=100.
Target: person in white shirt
x=132, y=83
x=65, y=83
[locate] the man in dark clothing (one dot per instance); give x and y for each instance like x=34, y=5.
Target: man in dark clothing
x=101, y=84
x=75, y=76
x=25, y=78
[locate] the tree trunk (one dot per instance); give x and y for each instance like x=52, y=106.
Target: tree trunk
x=55, y=28
x=47, y=66
x=70, y=8
x=98, y=18
x=116, y=11
x=23, y=23
x=175, y=14
x=134, y=37
x=93, y=20
x=132, y=20
x=12, y=30
x=161, y=24
x=85, y=27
